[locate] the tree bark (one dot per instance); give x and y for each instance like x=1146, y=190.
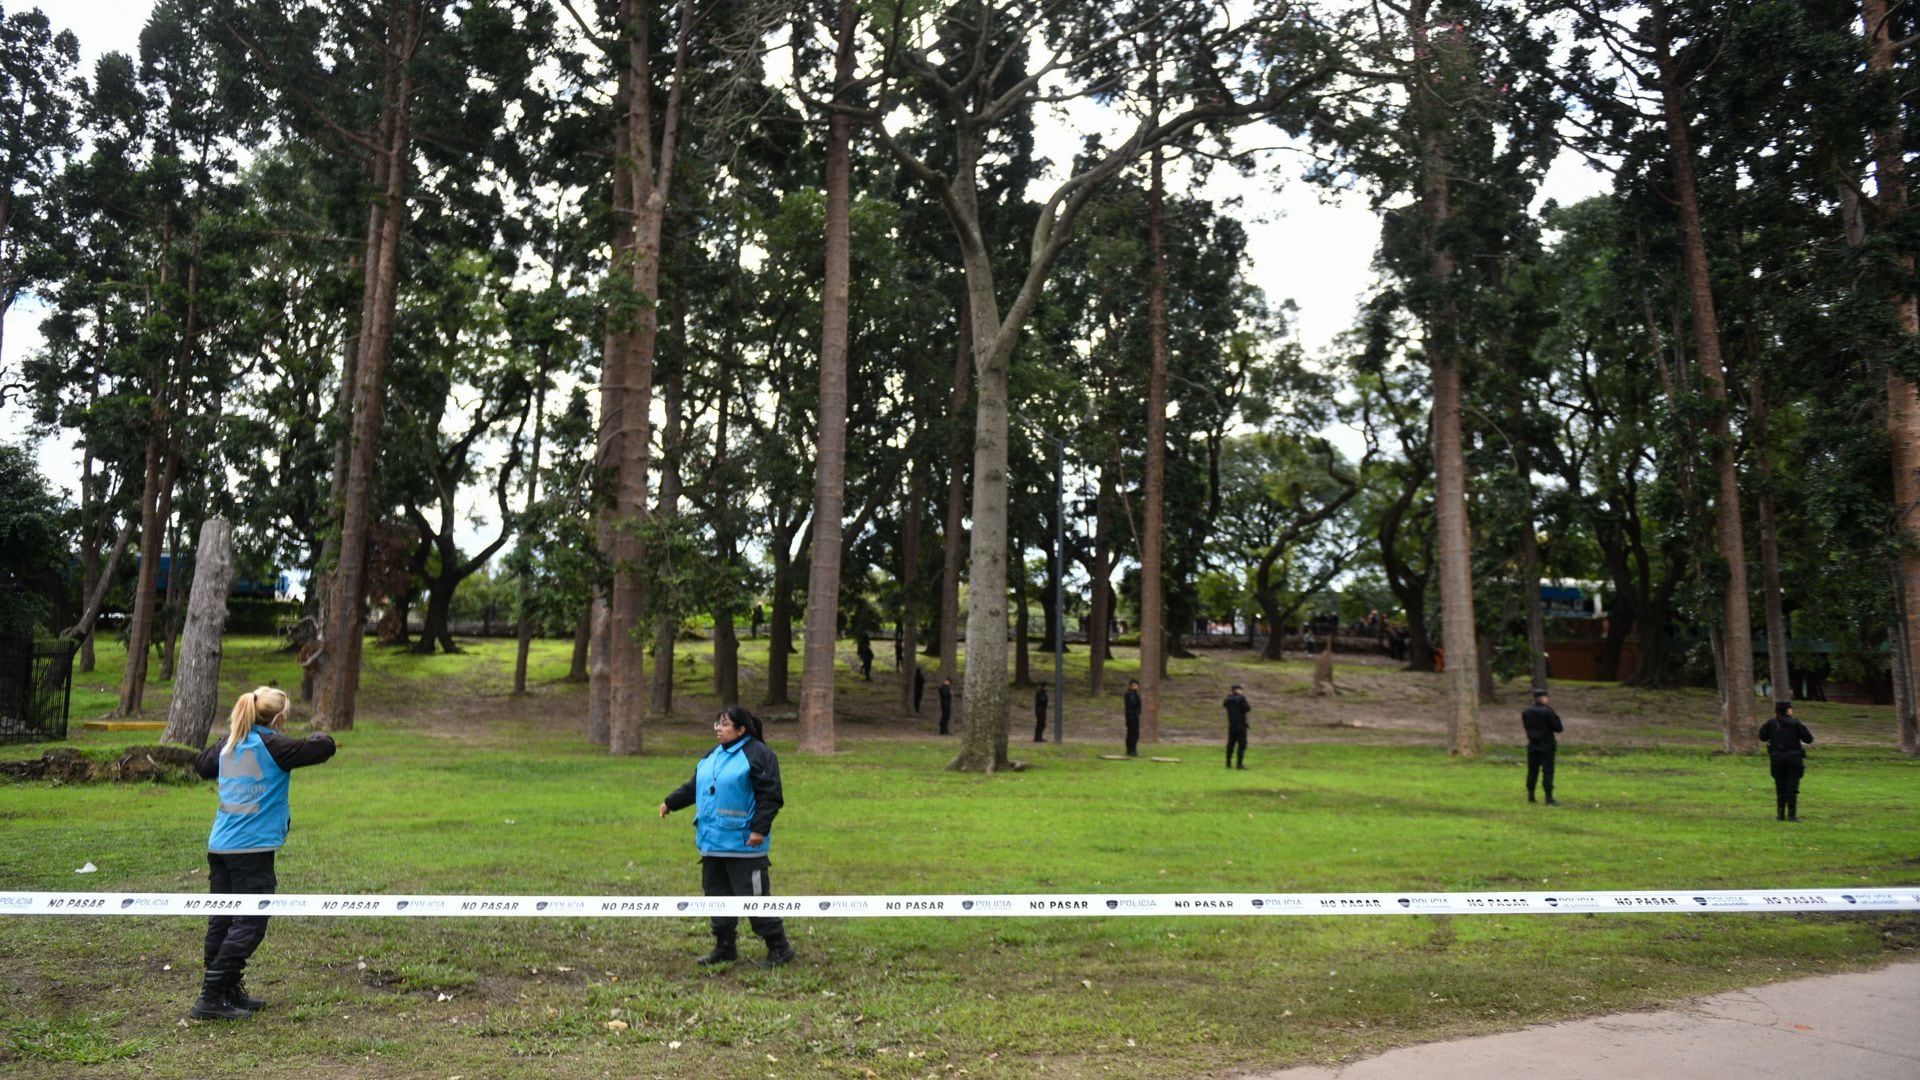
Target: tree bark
x=523, y=633
x=169, y=615
x=650, y=179
x=1153, y=531
x=343, y=627
x=1903, y=398
x=910, y=572
x=1529, y=548
x=196, y=689
x=600, y=676
x=953, y=538
x=582, y=642
x=830, y=467
x=1729, y=530
x=156, y=509
x=1454, y=533
x=1772, y=603
x=1100, y=576
x=666, y=624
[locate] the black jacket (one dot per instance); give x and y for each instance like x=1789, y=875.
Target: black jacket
x=1237, y=710
x=1784, y=736
x=763, y=772
x=1133, y=704
x=1542, y=724
x=289, y=754
x=1040, y=704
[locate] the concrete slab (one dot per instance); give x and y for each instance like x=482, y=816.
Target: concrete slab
x=1835, y=1025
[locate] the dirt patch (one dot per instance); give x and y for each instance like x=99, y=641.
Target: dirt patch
x=136, y=764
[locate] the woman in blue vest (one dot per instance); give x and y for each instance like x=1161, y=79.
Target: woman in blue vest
x=735, y=791
x=248, y=829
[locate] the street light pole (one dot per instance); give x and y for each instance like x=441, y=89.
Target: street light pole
x=1059, y=588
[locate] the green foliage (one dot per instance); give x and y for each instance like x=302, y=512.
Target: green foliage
x=32, y=548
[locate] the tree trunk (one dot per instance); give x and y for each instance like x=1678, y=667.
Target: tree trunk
x=650, y=179
x=1529, y=550
x=523, y=632
x=169, y=617
x=955, y=529
x=1153, y=530
x=582, y=641
x=600, y=676
x=1022, y=669
x=780, y=623
x=1771, y=600
x=830, y=469
x=89, y=548
x=155, y=512
x=344, y=625
x=910, y=573
x=1100, y=575
x=666, y=624
x=1454, y=533
x=1729, y=530
x=196, y=689
x=726, y=659
x=1903, y=398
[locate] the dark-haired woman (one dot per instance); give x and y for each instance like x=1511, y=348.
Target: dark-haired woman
x=249, y=827
x=1786, y=738
x=735, y=792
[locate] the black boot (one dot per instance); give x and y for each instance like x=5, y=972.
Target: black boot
x=237, y=994
x=724, y=952
x=216, y=1001
x=1793, y=809
x=779, y=952
x=1550, y=801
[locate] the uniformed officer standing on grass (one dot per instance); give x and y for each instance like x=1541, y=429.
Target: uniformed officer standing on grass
x=735, y=791
x=1542, y=724
x=1786, y=738
x=1237, y=710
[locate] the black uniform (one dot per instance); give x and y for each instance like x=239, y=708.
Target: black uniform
x=946, y=705
x=865, y=649
x=1133, y=723
x=1237, y=709
x=919, y=689
x=1785, y=736
x=1542, y=724
x=1040, y=715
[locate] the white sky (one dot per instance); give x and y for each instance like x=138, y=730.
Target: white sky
x=1305, y=244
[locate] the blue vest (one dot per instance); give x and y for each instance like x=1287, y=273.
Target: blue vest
x=723, y=802
x=253, y=800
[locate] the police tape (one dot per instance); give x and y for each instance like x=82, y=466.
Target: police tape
x=1902, y=898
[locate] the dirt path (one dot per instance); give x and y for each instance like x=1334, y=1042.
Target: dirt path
x=1835, y=1025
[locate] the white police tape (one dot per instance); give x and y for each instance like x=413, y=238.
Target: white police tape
x=1584, y=902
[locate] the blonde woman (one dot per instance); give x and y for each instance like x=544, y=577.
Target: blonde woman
x=250, y=826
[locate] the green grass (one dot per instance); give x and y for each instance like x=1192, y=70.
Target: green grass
x=452, y=785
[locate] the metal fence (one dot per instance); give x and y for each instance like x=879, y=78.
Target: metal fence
x=36, y=689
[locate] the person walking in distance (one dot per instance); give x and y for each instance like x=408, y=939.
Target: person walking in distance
x=253, y=766
x=919, y=688
x=1786, y=738
x=735, y=792
x=863, y=645
x=946, y=704
x=1133, y=717
x=1040, y=714
x=1237, y=710
x=1542, y=724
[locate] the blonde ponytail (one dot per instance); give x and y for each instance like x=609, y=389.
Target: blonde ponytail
x=265, y=703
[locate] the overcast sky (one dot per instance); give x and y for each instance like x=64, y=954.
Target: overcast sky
x=1305, y=244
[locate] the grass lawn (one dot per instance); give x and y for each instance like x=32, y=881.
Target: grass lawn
x=450, y=784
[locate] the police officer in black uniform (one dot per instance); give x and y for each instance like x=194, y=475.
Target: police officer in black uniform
x=1237, y=710
x=1040, y=713
x=1542, y=724
x=1786, y=737
x=1133, y=717
x=946, y=704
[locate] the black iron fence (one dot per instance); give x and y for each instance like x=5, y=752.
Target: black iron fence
x=36, y=689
